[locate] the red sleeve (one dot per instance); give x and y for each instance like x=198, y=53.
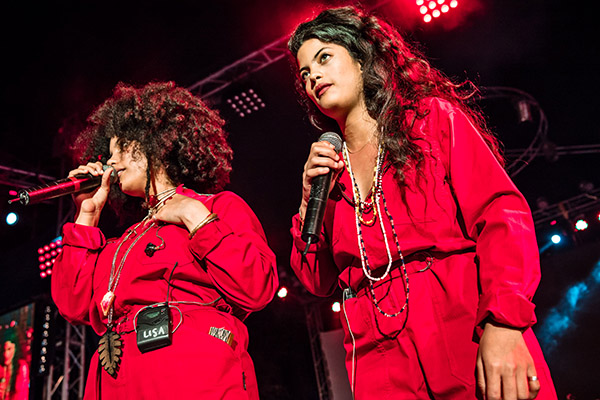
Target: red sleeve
x=496, y=216
x=238, y=260
x=73, y=271
x=317, y=270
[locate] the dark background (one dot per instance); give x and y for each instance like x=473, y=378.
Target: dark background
x=62, y=60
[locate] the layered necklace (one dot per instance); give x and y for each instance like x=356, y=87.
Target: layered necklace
x=110, y=343
x=376, y=195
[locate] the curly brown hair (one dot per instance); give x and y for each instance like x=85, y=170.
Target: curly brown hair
x=166, y=124
x=396, y=78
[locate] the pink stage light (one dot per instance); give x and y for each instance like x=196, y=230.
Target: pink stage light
x=47, y=256
x=435, y=9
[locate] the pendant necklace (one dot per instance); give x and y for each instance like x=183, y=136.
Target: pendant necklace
x=379, y=197
x=109, y=349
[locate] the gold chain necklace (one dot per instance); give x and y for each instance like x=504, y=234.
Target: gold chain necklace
x=106, y=304
x=362, y=206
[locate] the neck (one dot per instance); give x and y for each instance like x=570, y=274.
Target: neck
x=159, y=183
x=359, y=129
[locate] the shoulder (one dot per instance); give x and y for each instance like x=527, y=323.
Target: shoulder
x=216, y=201
x=436, y=107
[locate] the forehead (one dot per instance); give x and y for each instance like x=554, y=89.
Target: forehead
x=311, y=47
x=9, y=345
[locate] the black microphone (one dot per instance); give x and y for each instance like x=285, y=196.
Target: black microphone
x=319, y=193
x=74, y=184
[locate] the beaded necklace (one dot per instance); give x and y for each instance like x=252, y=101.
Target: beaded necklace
x=106, y=304
x=110, y=344
x=378, y=190
x=362, y=207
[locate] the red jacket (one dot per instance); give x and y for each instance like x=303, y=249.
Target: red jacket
x=228, y=257
x=464, y=217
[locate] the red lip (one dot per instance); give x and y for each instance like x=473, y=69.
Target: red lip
x=321, y=88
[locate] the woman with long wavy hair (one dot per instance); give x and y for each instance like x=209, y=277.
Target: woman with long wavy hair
x=428, y=237
x=170, y=295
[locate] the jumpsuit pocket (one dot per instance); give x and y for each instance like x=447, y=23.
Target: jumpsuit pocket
x=455, y=300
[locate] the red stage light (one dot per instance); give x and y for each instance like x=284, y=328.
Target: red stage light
x=43, y=274
x=434, y=8
x=42, y=266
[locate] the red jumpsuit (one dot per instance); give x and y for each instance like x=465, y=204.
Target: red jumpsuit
x=467, y=237
x=228, y=258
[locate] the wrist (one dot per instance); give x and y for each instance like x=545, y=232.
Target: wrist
x=87, y=219
x=210, y=218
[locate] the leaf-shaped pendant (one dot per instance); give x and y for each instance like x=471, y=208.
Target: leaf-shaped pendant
x=110, y=351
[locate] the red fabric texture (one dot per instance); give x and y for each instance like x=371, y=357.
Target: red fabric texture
x=228, y=258
x=467, y=237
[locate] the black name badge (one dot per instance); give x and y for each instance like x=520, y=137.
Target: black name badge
x=154, y=328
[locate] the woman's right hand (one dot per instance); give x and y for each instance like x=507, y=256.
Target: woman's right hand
x=321, y=160
x=90, y=204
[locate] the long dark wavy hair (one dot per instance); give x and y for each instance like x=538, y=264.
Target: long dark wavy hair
x=170, y=127
x=10, y=335
x=396, y=78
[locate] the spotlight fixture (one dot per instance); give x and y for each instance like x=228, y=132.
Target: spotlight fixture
x=434, y=9
x=282, y=293
x=44, y=344
x=246, y=103
x=47, y=256
x=12, y=218
x=336, y=307
x=581, y=224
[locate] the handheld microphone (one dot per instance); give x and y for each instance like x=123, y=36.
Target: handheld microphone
x=74, y=184
x=319, y=193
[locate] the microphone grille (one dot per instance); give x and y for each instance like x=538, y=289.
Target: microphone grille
x=332, y=138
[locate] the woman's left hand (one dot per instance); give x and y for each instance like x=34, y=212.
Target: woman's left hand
x=182, y=210
x=504, y=365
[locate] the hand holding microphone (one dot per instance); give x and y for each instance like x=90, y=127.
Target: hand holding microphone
x=91, y=202
x=319, y=169
x=81, y=182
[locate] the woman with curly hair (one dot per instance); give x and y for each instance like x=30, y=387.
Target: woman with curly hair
x=429, y=239
x=169, y=295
